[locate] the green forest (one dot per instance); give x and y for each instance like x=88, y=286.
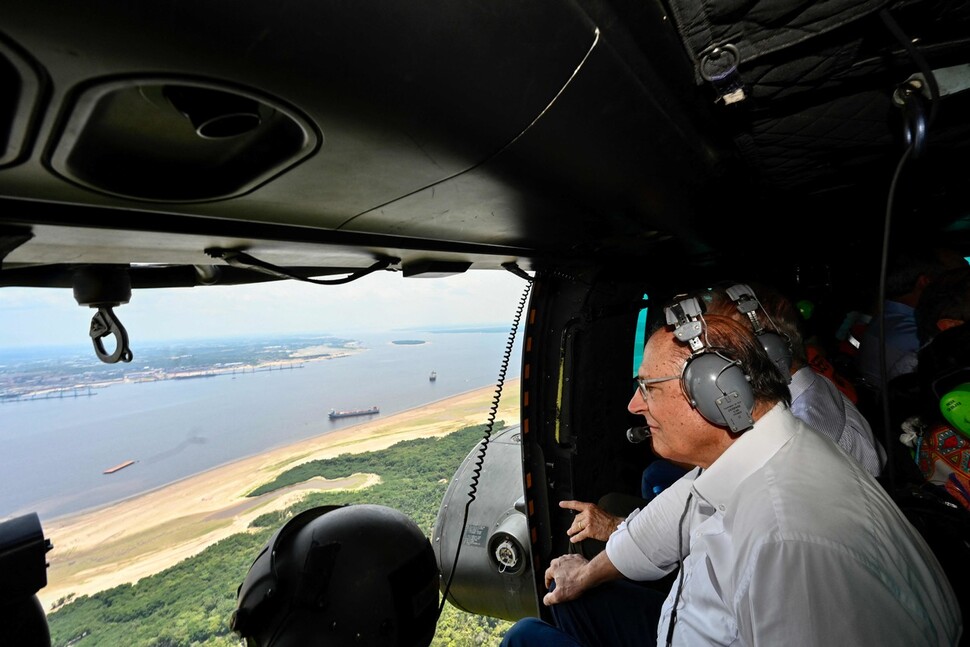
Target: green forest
x=189, y=605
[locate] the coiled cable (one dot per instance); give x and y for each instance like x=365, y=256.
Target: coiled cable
x=493, y=411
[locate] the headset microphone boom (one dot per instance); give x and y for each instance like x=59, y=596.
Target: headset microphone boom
x=637, y=434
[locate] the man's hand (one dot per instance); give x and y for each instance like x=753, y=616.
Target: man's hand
x=591, y=522
x=567, y=572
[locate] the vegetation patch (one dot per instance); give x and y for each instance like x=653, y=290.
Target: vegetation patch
x=189, y=605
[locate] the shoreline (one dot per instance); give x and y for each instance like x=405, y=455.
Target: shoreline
x=160, y=527
x=296, y=360
x=67, y=517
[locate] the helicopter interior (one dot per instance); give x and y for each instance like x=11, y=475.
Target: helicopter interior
x=606, y=150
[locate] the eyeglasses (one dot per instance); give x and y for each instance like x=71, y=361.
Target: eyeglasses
x=642, y=383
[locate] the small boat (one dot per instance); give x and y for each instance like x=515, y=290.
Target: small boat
x=119, y=466
x=433, y=376
x=334, y=414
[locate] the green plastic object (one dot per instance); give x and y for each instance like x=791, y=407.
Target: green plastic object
x=955, y=407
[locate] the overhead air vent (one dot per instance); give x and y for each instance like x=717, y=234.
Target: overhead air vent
x=20, y=90
x=178, y=141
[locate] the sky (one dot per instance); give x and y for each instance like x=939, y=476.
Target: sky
x=382, y=301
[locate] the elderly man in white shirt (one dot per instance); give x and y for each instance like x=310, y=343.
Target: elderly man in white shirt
x=815, y=400
x=780, y=536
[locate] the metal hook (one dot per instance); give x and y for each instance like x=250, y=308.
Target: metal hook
x=719, y=66
x=909, y=98
x=105, y=323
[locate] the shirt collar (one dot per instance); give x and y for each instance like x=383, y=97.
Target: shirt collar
x=718, y=483
x=800, y=381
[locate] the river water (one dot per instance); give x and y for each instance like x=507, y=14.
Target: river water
x=54, y=451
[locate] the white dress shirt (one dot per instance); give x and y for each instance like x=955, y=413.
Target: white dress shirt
x=816, y=400
x=788, y=541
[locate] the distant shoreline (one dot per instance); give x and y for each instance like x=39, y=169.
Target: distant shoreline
x=310, y=354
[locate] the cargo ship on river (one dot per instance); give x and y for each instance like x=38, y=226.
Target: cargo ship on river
x=334, y=414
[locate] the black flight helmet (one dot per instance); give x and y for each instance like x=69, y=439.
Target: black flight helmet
x=357, y=575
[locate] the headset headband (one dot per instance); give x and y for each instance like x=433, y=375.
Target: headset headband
x=748, y=304
x=686, y=314
x=776, y=343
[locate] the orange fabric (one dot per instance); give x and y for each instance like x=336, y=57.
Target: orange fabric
x=944, y=459
x=822, y=366
x=856, y=332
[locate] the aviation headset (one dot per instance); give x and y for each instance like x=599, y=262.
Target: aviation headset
x=776, y=344
x=715, y=385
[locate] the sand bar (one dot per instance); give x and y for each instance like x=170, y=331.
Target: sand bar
x=143, y=535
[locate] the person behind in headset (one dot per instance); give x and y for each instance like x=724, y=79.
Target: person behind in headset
x=780, y=537
x=815, y=399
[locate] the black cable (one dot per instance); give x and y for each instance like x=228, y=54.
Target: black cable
x=680, y=576
x=515, y=269
x=881, y=313
x=914, y=148
x=243, y=260
x=480, y=459
x=918, y=59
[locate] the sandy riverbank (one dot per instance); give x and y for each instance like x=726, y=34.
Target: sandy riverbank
x=127, y=541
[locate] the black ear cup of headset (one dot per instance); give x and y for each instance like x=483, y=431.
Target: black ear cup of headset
x=715, y=385
x=776, y=346
x=779, y=352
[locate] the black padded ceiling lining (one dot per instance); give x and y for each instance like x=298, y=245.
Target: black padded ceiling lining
x=822, y=140
x=818, y=79
x=760, y=27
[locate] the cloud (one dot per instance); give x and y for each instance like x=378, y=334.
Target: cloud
x=380, y=301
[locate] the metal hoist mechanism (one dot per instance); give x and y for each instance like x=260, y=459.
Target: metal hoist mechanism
x=105, y=288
